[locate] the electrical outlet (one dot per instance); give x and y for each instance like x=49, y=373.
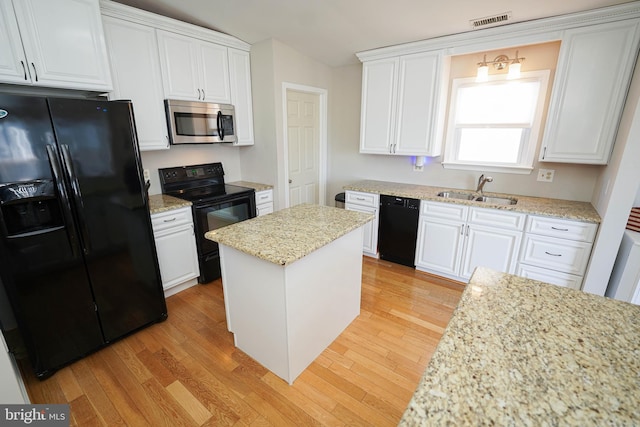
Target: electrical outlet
x=145, y=174
x=545, y=175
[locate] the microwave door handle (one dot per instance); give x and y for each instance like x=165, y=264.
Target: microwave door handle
x=66, y=205
x=220, y=128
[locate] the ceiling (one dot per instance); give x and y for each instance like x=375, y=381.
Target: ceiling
x=332, y=31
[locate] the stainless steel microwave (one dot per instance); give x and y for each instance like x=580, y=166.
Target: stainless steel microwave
x=192, y=122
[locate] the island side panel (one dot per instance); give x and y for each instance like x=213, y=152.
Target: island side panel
x=322, y=297
x=255, y=307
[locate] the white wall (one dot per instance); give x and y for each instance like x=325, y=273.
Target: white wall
x=615, y=193
x=273, y=63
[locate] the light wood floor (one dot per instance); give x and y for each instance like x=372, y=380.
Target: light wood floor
x=186, y=371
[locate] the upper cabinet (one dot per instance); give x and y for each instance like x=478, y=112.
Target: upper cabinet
x=154, y=58
x=593, y=74
x=193, y=69
x=403, y=101
x=135, y=68
x=53, y=43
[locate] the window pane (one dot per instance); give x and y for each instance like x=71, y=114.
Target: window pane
x=510, y=102
x=490, y=145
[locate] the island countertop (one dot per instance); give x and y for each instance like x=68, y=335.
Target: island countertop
x=288, y=235
x=568, y=209
x=522, y=352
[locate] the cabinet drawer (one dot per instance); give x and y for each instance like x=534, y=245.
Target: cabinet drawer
x=550, y=276
x=173, y=218
x=556, y=254
x=363, y=199
x=265, y=196
x=562, y=228
x=450, y=211
x=497, y=218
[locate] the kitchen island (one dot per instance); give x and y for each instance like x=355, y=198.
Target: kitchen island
x=291, y=282
x=522, y=352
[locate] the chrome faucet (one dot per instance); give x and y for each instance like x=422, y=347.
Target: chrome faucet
x=482, y=181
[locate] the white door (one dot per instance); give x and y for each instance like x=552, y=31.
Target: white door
x=303, y=142
x=490, y=247
x=13, y=64
x=440, y=245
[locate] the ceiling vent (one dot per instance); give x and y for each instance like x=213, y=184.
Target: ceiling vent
x=490, y=21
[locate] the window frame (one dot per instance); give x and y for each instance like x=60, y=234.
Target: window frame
x=529, y=145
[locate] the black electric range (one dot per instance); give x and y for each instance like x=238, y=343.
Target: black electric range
x=214, y=205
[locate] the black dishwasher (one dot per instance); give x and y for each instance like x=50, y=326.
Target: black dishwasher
x=398, y=230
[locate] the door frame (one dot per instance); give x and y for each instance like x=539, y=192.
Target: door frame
x=322, y=139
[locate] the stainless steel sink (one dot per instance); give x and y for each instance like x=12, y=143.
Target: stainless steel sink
x=474, y=197
x=497, y=200
x=456, y=195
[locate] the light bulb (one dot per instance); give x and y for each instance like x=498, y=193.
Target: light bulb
x=514, y=70
x=483, y=74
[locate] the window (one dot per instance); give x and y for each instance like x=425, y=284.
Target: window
x=494, y=126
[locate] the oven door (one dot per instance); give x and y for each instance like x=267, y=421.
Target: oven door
x=200, y=122
x=214, y=215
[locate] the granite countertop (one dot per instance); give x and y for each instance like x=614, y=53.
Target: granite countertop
x=522, y=352
x=255, y=185
x=290, y=234
x=162, y=203
x=568, y=209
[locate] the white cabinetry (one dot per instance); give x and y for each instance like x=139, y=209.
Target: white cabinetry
x=241, y=98
x=193, y=69
x=403, y=104
x=135, y=68
x=588, y=93
x=176, y=248
x=53, y=43
x=264, y=202
x=454, y=239
x=556, y=250
x=367, y=203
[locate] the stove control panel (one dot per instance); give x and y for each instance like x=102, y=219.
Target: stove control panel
x=191, y=173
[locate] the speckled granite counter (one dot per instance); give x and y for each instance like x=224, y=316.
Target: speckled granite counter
x=289, y=234
x=255, y=185
x=163, y=203
x=580, y=211
x=520, y=352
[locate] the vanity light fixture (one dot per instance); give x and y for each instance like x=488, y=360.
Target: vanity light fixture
x=499, y=63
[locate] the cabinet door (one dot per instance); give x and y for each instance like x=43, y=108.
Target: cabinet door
x=64, y=43
x=592, y=78
x=419, y=114
x=177, y=255
x=241, y=98
x=135, y=67
x=439, y=245
x=370, y=235
x=13, y=64
x=378, y=106
x=490, y=247
x=179, y=58
x=214, y=73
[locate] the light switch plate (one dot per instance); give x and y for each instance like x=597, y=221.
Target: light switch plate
x=145, y=174
x=546, y=175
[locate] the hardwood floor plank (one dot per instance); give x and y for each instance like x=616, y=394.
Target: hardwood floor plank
x=186, y=371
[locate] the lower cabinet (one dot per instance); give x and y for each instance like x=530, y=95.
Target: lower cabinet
x=455, y=239
x=176, y=248
x=556, y=251
x=368, y=203
x=264, y=202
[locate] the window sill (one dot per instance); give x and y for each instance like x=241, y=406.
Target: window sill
x=521, y=170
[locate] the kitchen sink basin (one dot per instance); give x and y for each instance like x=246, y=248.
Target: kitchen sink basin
x=497, y=200
x=456, y=195
x=473, y=196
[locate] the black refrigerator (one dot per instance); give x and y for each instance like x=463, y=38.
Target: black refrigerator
x=78, y=261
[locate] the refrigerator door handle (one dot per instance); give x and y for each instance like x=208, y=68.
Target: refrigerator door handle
x=66, y=206
x=77, y=196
